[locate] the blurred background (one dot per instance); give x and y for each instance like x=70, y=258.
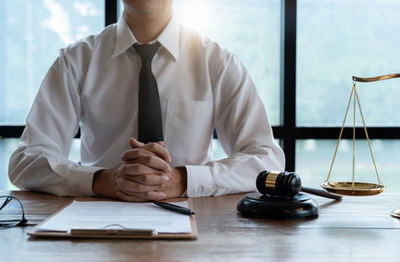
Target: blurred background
x=333, y=40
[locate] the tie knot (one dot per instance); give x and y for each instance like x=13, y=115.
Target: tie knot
x=147, y=51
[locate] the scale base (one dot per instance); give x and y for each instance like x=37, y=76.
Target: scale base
x=265, y=206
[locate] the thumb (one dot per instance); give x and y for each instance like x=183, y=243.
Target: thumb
x=134, y=143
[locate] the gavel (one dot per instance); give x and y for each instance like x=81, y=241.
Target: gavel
x=287, y=185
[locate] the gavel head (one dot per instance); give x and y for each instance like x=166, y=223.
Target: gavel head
x=278, y=183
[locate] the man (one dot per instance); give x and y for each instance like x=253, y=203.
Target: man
x=96, y=83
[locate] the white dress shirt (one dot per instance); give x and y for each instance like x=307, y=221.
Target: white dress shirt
x=94, y=84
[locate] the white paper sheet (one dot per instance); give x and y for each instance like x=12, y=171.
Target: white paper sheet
x=102, y=214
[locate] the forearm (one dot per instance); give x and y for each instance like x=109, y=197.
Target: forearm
x=38, y=171
x=234, y=174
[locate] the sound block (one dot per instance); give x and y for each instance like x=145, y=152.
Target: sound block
x=265, y=206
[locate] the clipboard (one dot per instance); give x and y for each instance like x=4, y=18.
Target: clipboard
x=123, y=233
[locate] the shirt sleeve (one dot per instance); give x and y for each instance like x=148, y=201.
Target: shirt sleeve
x=41, y=162
x=244, y=132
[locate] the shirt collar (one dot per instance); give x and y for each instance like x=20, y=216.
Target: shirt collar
x=169, y=38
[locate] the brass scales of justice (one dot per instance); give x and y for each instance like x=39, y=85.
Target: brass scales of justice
x=354, y=188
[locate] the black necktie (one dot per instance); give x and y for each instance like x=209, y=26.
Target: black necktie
x=150, y=121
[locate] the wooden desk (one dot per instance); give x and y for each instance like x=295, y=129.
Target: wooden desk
x=354, y=229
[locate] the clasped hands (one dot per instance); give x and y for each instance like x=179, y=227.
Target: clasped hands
x=145, y=174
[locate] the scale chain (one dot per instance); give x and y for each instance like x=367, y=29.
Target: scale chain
x=340, y=136
x=366, y=134
x=354, y=135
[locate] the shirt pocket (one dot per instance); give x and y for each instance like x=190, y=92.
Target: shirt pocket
x=188, y=130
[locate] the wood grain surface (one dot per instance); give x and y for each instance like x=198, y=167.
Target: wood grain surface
x=354, y=229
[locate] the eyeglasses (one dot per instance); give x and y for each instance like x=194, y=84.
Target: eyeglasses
x=11, y=212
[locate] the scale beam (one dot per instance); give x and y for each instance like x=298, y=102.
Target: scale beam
x=375, y=78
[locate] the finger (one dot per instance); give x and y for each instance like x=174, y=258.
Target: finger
x=150, y=161
x=159, y=150
x=134, y=154
x=125, y=197
x=131, y=187
x=139, y=169
x=150, y=195
x=134, y=143
x=148, y=179
x=155, y=147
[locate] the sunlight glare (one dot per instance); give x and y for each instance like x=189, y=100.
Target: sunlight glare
x=195, y=15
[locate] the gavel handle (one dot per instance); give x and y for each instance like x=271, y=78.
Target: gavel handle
x=320, y=192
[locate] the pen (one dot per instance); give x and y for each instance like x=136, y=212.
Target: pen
x=175, y=208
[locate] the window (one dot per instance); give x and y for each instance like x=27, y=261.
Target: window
x=32, y=34
x=335, y=40
x=301, y=55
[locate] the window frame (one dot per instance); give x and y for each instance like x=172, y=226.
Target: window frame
x=288, y=132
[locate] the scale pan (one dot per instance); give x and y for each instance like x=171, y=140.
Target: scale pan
x=395, y=213
x=359, y=189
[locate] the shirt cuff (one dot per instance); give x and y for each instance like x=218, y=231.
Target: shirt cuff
x=199, y=181
x=81, y=178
